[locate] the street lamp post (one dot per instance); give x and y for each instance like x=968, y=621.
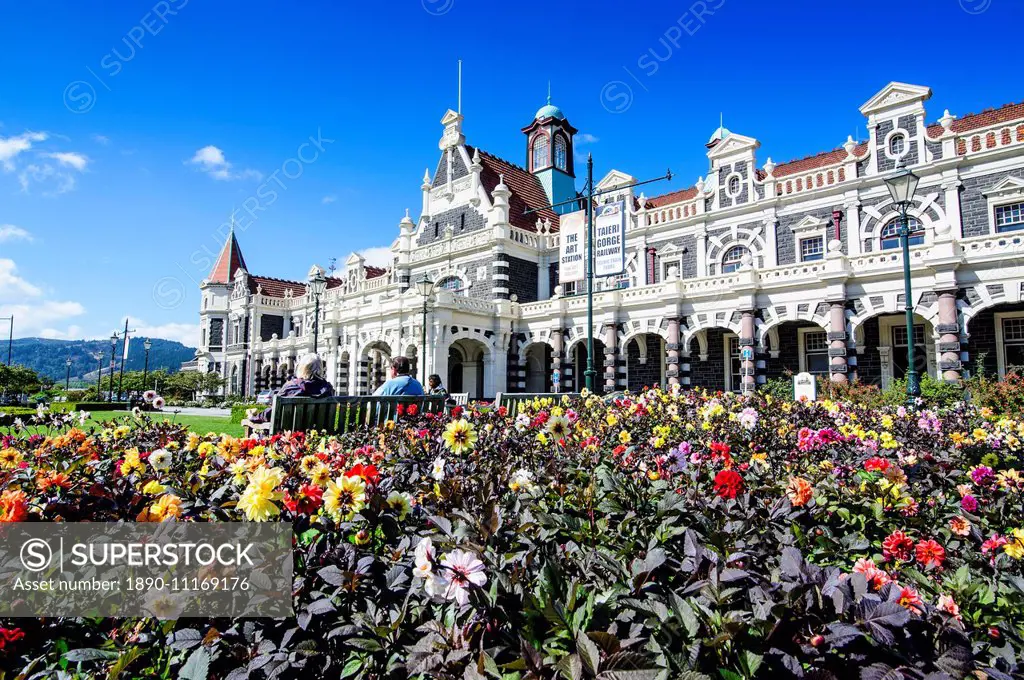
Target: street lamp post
x=589, y=195
x=902, y=184
x=98, y=356
x=425, y=287
x=113, y=348
x=317, y=286
x=147, y=345
x=67, y=377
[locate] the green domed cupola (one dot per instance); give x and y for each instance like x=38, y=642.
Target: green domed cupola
x=549, y=153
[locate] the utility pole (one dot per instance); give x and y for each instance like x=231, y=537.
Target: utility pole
x=589, y=195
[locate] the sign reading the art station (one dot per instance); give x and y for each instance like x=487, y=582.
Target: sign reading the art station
x=573, y=247
x=610, y=239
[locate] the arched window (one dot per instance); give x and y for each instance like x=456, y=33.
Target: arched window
x=896, y=145
x=452, y=283
x=733, y=258
x=890, y=236
x=541, y=150
x=734, y=186
x=560, y=153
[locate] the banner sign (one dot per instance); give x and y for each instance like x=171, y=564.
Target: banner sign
x=572, y=255
x=610, y=239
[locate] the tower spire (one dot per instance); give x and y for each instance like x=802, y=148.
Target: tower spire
x=460, y=86
x=230, y=259
x=549, y=91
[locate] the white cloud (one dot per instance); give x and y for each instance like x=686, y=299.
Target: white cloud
x=211, y=160
x=69, y=159
x=11, y=147
x=185, y=333
x=328, y=199
x=12, y=286
x=101, y=139
x=36, y=315
x=54, y=180
x=379, y=256
x=9, y=232
x=585, y=138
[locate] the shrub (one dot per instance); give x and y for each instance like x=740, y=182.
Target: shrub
x=238, y=411
x=855, y=392
x=1002, y=396
x=934, y=393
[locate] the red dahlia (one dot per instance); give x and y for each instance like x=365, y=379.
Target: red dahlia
x=898, y=545
x=930, y=553
x=728, y=484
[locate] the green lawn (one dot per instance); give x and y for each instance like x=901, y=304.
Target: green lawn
x=198, y=424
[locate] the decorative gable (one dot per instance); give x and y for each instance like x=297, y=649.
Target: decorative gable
x=808, y=224
x=897, y=96
x=1008, y=185
x=616, y=179
x=733, y=145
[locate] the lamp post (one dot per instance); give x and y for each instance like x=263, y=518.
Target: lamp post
x=146, y=345
x=67, y=377
x=113, y=348
x=589, y=195
x=98, y=356
x=425, y=287
x=317, y=286
x=902, y=184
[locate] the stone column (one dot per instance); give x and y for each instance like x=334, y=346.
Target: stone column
x=672, y=351
x=837, y=341
x=556, y=359
x=949, y=336
x=747, y=369
x=611, y=357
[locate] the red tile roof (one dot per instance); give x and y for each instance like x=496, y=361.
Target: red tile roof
x=229, y=261
x=976, y=121
x=272, y=287
x=527, y=191
x=674, y=197
x=816, y=161
x=372, y=272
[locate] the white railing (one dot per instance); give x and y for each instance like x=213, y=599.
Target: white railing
x=993, y=245
x=995, y=138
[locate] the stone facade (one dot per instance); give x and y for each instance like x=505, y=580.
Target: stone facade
x=500, y=319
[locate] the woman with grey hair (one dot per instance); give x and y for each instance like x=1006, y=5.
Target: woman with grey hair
x=308, y=382
x=309, y=379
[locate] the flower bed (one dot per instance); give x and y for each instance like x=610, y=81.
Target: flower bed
x=659, y=536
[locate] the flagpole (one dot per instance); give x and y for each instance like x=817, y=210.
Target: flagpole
x=124, y=352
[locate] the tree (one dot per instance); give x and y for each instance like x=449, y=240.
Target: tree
x=19, y=380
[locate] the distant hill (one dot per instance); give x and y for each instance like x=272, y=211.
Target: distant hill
x=47, y=357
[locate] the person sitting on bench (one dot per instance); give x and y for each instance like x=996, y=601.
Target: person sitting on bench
x=401, y=382
x=308, y=382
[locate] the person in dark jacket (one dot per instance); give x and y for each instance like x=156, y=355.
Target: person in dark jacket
x=308, y=382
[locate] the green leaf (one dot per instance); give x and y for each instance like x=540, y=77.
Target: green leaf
x=650, y=674
x=686, y=614
x=590, y=655
x=750, y=662
x=198, y=665
x=79, y=655
x=570, y=667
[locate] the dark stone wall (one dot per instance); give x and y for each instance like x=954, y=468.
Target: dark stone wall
x=271, y=324
x=982, y=342
x=522, y=279
x=740, y=167
x=974, y=206
x=789, y=350
x=907, y=123
x=648, y=374
x=463, y=220
x=709, y=374
x=552, y=276
x=869, y=363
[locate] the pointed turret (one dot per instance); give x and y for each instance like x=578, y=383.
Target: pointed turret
x=229, y=261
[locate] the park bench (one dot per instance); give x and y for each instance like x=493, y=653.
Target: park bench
x=460, y=398
x=338, y=415
x=512, y=400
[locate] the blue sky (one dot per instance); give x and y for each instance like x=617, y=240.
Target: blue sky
x=128, y=132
